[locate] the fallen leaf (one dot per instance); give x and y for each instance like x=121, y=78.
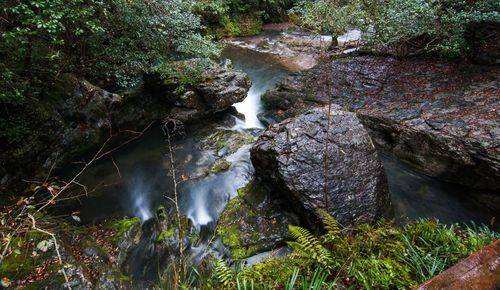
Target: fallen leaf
x=5, y=282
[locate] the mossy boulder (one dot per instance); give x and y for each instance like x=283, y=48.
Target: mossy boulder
x=252, y=223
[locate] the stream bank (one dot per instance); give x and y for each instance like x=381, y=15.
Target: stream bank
x=216, y=178
x=441, y=118
x=215, y=163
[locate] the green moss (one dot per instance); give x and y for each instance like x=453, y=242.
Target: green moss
x=381, y=256
x=250, y=224
x=275, y=273
x=123, y=225
x=166, y=234
x=220, y=165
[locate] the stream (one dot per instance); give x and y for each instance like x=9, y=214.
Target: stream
x=213, y=162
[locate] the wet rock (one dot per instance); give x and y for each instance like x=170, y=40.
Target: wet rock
x=85, y=116
x=437, y=116
x=217, y=89
x=221, y=88
x=350, y=39
x=291, y=156
x=252, y=223
x=220, y=165
x=480, y=271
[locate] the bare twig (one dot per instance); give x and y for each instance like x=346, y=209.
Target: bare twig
x=175, y=200
x=56, y=245
x=116, y=166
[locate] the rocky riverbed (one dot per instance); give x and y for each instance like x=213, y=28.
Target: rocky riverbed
x=439, y=117
x=334, y=120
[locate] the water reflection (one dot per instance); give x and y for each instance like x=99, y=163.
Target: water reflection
x=415, y=195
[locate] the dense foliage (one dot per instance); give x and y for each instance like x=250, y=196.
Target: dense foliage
x=239, y=17
x=381, y=256
x=111, y=43
x=432, y=26
x=107, y=41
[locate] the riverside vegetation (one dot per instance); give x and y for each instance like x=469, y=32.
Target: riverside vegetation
x=156, y=54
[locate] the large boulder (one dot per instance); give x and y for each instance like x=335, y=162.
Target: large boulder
x=222, y=87
x=215, y=90
x=324, y=159
x=440, y=117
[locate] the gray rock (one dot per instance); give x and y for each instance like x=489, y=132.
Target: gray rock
x=350, y=38
x=437, y=116
x=291, y=156
x=296, y=51
x=222, y=88
x=86, y=115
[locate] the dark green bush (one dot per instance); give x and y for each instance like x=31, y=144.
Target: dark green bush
x=111, y=43
x=429, y=26
x=239, y=17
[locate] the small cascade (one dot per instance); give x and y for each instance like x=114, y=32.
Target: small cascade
x=198, y=212
x=139, y=194
x=250, y=108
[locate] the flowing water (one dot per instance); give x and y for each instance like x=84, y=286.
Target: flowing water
x=140, y=177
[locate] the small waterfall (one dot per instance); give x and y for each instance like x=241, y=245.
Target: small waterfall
x=142, y=209
x=140, y=200
x=206, y=198
x=198, y=213
x=250, y=108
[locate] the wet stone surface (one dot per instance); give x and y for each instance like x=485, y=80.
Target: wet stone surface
x=441, y=117
x=324, y=160
x=253, y=222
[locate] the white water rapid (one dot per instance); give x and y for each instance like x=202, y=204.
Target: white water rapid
x=250, y=108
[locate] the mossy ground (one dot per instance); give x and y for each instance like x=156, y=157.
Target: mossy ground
x=26, y=264
x=381, y=256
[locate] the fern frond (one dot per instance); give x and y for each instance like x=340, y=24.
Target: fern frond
x=330, y=223
x=224, y=274
x=304, y=238
x=309, y=246
x=298, y=249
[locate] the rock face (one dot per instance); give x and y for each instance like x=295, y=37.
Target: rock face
x=480, y=271
x=86, y=115
x=291, y=156
x=440, y=117
x=217, y=90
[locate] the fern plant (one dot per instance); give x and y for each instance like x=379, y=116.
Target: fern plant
x=224, y=274
x=308, y=245
x=330, y=223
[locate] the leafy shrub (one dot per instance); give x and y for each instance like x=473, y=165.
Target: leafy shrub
x=432, y=26
x=239, y=17
x=102, y=40
x=111, y=43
